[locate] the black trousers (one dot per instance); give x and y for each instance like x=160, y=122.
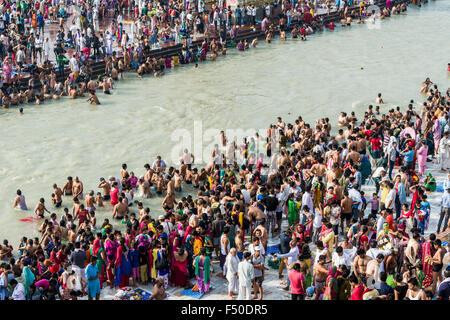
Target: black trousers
x=445, y=213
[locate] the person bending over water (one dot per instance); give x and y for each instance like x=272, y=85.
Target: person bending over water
x=93, y=99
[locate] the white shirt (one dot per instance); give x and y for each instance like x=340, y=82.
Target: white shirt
x=334, y=216
x=251, y=249
x=20, y=55
x=280, y=203
x=317, y=223
x=187, y=158
x=292, y=255
x=390, y=198
x=307, y=200
x=38, y=42
x=318, y=254
x=74, y=64
x=355, y=195
x=168, y=227
x=341, y=260
x=19, y=292
x=443, y=145
x=377, y=172
x=232, y=265
x=246, y=273
x=380, y=223
x=246, y=195
x=373, y=252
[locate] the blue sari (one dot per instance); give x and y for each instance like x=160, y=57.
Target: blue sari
x=29, y=279
x=124, y=269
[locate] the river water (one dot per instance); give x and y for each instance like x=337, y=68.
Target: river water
x=329, y=73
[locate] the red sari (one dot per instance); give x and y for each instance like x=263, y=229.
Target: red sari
x=179, y=273
x=427, y=262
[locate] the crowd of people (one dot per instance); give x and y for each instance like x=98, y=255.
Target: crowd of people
x=33, y=62
x=303, y=183
x=305, y=187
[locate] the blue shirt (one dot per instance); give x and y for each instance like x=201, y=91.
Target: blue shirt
x=409, y=156
x=444, y=290
x=40, y=20
x=383, y=288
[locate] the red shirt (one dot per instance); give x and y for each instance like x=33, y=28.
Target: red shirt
x=114, y=197
x=358, y=292
x=376, y=144
x=363, y=240
x=82, y=215
x=297, y=282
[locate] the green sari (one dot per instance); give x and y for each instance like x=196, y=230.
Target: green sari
x=206, y=269
x=293, y=212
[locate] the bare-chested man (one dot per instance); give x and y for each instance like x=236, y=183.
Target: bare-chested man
x=58, y=195
x=319, y=169
x=360, y=263
x=106, y=189
x=93, y=99
x=144, y=188
x=77, y=188
x=169, y=201
x=67, y=188
x=90, y=201
x=40, y=208
x=120, y=209
x=438, y=262
x=159, y=293
x=320, y=276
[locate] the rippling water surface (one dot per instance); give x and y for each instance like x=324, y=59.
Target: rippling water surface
x=331, y=72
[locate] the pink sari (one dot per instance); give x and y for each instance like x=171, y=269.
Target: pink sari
x=422, y=158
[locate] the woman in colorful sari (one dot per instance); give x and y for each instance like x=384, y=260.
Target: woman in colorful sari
x=331, y=289
x=365, y=168
x=422, y=153
x=198, y=243
x=123, y=266
x=179, y=268
x=301, y=233
x=111, y=246
x=436, y=133
x=430, y=182
x=189, y=247
x=293, y=210
x=427, y=262
x=7, y=70
x=202, y=266
x=99, y=252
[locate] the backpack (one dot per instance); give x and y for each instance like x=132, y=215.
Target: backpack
x=162, y=261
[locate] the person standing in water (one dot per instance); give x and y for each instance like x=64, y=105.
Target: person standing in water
x=40, y=208
x=19, y=201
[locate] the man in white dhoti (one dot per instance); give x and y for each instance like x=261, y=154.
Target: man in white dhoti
x=246, y=273
x=232, y=264
x=444, y=153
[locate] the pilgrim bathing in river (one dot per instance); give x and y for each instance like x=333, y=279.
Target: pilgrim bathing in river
x=336, y=241
x=52, y=50
x=307, y=209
